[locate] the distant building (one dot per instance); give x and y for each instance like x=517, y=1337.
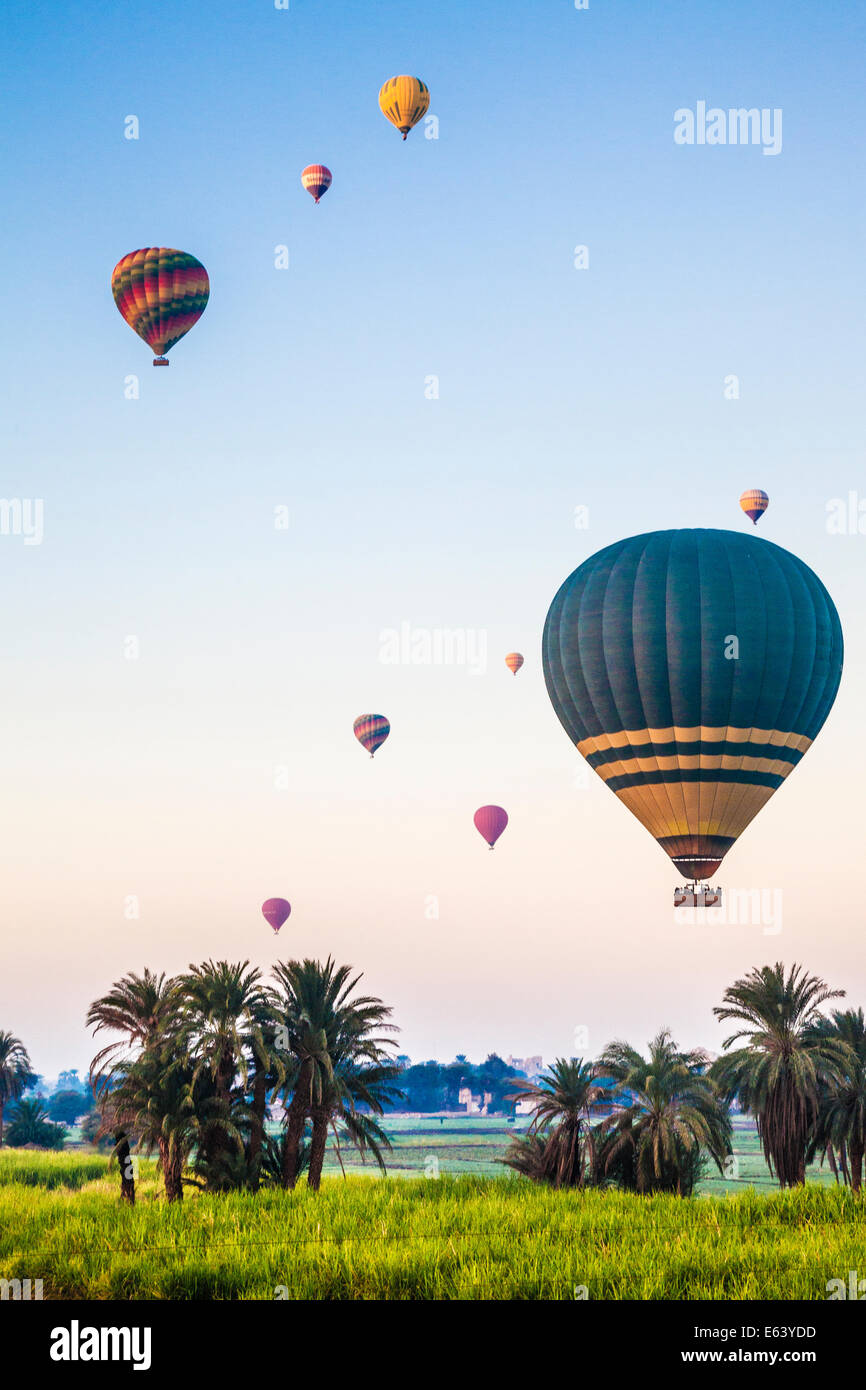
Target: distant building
x=475, y=1104
x=530, y=1066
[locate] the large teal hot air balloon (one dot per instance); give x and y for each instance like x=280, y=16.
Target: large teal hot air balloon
x=693, y=669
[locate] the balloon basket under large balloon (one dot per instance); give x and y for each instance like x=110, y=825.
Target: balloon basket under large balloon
x=697, y=895
x=160, y=361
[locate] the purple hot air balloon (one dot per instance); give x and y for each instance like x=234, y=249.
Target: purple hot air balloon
x=275, y=912
x=371, y=730
x=490, y=821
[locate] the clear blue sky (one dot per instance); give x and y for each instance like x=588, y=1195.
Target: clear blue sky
x=305, y=387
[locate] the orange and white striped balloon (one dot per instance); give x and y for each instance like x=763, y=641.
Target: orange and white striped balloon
x=514, y=661
x=316, y=178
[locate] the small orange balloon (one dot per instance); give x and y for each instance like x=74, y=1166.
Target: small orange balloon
x=514, y=661
x=754, y=503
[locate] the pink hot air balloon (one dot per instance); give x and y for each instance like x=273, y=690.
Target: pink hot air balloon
x=316, y=178
x=490, y=821
x=275, y=912
x=371, y=730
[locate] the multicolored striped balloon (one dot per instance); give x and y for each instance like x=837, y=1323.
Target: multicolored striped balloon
x=371, y=730
x=490, y=821
x=754, y=503
x=514, y=661
x=161, y=293
x=693, y=669
x=316, y=178
x=403, y=101
x=276, y=911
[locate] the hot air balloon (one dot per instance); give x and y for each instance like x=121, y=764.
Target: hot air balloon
x=514, y=661
x=161, y=293
x=316, y=178
x=371, y=730
x=276, y=911
x=692, y=669
x=754, y=503
x=404, y=100
x=490, y=821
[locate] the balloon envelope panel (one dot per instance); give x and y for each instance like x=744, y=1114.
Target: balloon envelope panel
x=276, y=911
x=161, y=293
x=404, y=100
x=316, y=178
x=754, y=503
x=693, y=669
x=490, y=821
x=371, y=730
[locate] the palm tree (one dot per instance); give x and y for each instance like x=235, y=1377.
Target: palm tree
x=778, y=1074
x=355, y=1080
x=529, y=1155
x=171, y=1104
x=268, y=1069
x=142, y=1008
x=325, y=1026
x=668, y=1113
x=16, y=1072
x=841, y=1122
x=559, y=1143
x=31, y=1124
x=218, y=1001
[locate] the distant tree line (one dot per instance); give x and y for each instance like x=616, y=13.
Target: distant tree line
x=430, y=1086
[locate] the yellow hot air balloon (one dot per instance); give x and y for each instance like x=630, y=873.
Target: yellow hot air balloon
x=404, y=100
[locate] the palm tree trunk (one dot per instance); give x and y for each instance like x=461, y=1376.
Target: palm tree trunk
x=295, y=1123
x=216, y=1142
x=321, y=1120
x=1, y=1124
x=124, y=1159
x=172, y=1170
x=843, y=1163
x=856, y=1149
x=257, y=1116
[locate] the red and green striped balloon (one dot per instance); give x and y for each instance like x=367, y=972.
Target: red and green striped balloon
x=161, y=293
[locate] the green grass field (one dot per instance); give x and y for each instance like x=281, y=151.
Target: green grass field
x=465, y=1237
x=475, y=1146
